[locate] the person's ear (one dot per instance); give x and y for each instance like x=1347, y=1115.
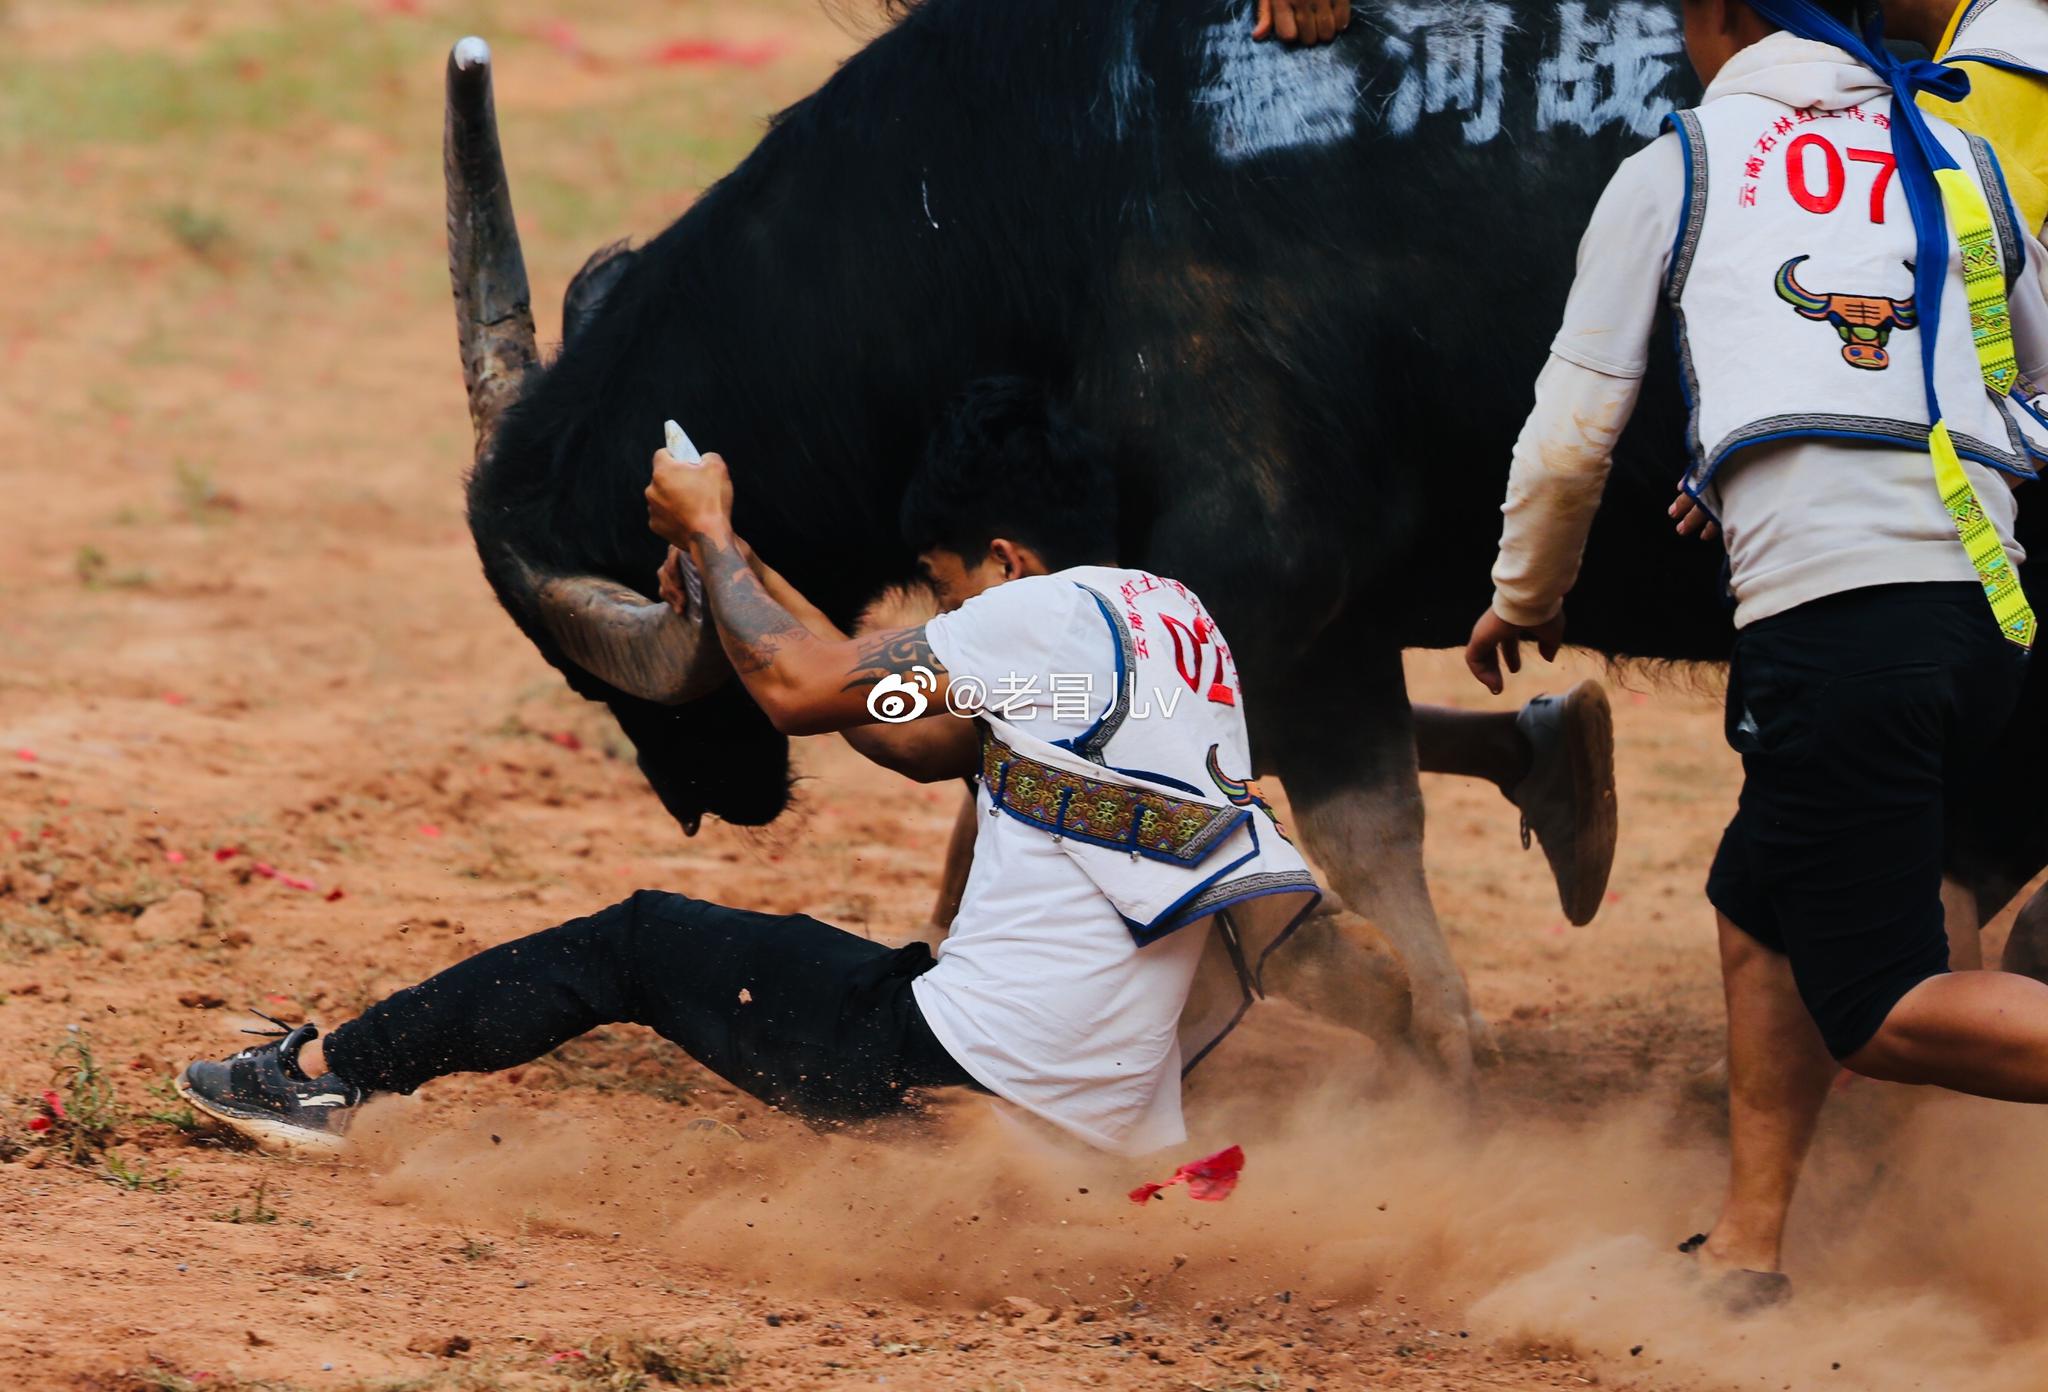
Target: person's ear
x=1007, y=557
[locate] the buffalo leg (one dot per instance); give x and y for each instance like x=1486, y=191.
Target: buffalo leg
x=1344, y=748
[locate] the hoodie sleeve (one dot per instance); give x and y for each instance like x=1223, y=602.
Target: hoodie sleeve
x=1587, y=391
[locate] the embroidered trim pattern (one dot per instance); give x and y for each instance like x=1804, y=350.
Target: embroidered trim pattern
x=1097, y=739
x=1106, y=814
x=1992, y=177
x=2013, y=460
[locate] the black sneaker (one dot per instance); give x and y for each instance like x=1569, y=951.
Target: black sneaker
x=264, y=1095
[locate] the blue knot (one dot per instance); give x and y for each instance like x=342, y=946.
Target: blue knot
x=1949, y=84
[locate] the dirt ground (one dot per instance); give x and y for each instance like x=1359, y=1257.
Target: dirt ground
x=266, y=742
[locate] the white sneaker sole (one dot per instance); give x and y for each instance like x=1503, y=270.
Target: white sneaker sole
x=267, y=1132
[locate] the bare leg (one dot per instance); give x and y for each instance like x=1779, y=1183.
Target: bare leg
x=1778, y=1077
x=1471, y=744
x=1980, y=1032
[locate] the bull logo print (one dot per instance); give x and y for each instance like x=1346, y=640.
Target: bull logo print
x=1865, y=322
x=1244, y=792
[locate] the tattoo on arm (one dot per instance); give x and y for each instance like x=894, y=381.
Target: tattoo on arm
x=892, y=652
x=752, y=626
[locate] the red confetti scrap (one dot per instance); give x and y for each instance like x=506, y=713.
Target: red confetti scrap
x=678, y=52
x=14, y=836
x=298, y=882
x=265, y=869
x=430, y=831
x=226, y=853
x=567, y=1356
x=27, y=756
x=55, y=1104
x=406, y=7
x=38, y=1123
x=335, y=895
x=175, y=857
x=1210, y=1179
x=566, y=738
x=175, y=698
x=276, y=999
x=561, y=36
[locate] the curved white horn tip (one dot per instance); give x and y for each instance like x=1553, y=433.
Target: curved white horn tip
x=472, y=52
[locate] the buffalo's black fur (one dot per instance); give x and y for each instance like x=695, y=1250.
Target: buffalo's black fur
x=1310, y=364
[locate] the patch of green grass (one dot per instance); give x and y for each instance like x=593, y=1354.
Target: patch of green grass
x=258, y=1211
x=318, y=62
x=96, y=572
x=203, y=500
x=175, y=1111
x=91, y=1111
x=201, y=233
x=32, y=930
x=136, y=1177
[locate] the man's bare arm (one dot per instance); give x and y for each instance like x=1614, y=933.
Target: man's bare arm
x=805, y=684
x=928, y=751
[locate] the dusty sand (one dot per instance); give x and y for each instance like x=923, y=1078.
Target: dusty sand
x=239, y=614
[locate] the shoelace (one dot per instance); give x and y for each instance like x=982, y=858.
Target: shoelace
x=281, y=1031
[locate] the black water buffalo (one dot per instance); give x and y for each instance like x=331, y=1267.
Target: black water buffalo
x=1303, y=293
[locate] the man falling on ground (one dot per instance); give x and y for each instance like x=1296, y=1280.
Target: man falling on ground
x=1128, y=879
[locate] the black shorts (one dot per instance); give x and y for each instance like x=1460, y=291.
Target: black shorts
x=1856, y=715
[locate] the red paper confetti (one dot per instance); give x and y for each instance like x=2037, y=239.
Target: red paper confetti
x=38, y=1123
x=27, y=756
x=175, y=698
x=430, y=831
x=335, y=895
x=566, y=738
x=561, y=36
x=226, y=853
x=1210, y=1179
x=567, y=1356
x=297, y=882
x=679, y=52
x=54, y=1104
x=265, y=869
x=175, y=857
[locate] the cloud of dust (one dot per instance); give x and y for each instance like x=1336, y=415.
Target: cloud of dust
x=1920, y=1244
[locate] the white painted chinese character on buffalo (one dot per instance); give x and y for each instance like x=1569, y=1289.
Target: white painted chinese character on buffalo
x=1608, y=69
x=1451, y=61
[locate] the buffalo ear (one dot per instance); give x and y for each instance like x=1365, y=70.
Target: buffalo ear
x=590, y=287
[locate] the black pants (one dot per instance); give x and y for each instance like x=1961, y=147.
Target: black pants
x=794, y=1011
x=1857, y=716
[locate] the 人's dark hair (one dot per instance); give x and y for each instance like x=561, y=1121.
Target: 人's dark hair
x=1008, y=461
